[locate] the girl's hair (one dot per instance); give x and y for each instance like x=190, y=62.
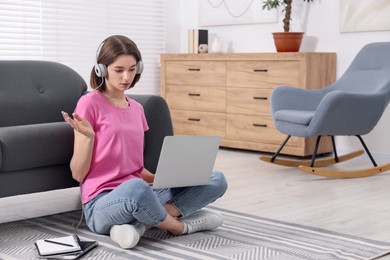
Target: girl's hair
x=109, y=50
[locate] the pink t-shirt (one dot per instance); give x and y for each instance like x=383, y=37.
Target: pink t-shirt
x=119, y=143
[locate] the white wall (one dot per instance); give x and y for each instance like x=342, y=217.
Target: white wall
x=320, y=22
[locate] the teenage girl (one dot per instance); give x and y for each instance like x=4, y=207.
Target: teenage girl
x=108, y=158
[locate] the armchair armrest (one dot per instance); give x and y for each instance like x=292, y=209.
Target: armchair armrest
x=340, y=111
x=286, y=98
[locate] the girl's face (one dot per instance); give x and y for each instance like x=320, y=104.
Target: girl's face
x=121, y=73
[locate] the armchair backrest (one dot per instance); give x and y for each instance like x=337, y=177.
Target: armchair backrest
x=369, y=72
x=33, y=92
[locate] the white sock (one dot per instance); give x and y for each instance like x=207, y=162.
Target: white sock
x=185, y=229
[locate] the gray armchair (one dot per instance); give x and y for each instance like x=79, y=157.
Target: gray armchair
x=352, y=105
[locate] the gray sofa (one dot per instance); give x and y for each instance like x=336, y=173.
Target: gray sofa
x=36, y=145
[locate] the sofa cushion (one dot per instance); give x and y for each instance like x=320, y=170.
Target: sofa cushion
x=31, y=146
x=33, y=92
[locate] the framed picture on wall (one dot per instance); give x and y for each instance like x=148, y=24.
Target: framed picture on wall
x=230, y=12
x=363, y=15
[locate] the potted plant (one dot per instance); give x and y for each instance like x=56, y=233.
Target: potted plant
x=286, y=41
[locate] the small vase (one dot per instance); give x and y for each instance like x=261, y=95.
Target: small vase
x=217, y=45
x=288, y=41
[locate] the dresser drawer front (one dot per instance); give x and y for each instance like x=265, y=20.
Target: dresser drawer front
x=198, y=123
x=248, y=101
x=196, y=98
x=264, y=74
x=196, y=73
x=255, y=129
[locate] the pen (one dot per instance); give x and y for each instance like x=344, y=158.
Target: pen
x=58, y=243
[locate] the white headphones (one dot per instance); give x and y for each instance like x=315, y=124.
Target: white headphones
x=101, y=69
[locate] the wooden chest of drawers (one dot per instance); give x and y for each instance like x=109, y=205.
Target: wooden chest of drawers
x=229, y=94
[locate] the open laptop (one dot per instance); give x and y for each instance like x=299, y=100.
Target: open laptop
x=186, y=161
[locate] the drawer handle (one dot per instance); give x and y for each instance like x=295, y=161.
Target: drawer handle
x=193, y=69
x=194, y=119
x=261, y=98
x=260, y=125
x=260, y=70
x=193, y=94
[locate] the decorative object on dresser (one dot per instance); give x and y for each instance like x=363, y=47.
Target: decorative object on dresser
x=228, y=95
x=286, y=41
x=217, y=45
x=352, y=105
x=198, y=41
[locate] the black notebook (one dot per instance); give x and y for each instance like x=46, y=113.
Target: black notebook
x=86, y=246
x=79, y=249
x=58, y=245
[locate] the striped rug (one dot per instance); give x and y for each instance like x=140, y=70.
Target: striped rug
x=242, y=236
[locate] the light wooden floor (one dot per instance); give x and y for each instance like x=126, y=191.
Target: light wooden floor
x=353, y=206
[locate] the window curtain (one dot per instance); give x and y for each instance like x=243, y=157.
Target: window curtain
x=70, y=31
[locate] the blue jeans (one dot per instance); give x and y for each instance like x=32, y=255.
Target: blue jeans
x=135, y=200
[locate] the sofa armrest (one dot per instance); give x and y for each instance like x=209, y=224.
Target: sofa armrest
x=32, y=146
x=160, y=125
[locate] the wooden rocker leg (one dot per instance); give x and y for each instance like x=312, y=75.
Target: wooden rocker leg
x=346, y=174
x=352, y=173
x=318, y=162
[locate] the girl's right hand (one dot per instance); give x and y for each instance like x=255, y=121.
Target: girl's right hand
x=79, y=124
